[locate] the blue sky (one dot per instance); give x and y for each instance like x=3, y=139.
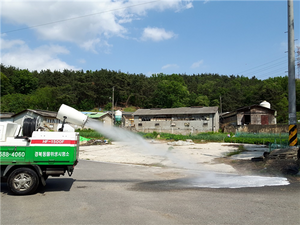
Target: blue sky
x=170, y=36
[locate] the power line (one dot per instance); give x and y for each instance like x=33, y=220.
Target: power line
x=273, y=72
x=266, y=68
x=262, y=65
x=78, y=17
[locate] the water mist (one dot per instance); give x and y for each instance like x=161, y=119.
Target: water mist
x=200, y=177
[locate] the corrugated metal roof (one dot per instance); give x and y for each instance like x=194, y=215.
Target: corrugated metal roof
x=44, y=113
x=96, y=115
x=6, y=115
x=254, y=106
x=127, y=113
x=182, y=110
x=233, y=113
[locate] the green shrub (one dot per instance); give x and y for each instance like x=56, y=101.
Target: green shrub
x=89, y=133
x=252, y=140
x=150, y=135
x=217, y=137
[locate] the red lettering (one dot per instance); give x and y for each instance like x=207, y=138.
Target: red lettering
x=54, y=142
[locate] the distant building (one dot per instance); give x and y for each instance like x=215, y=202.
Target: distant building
x=127, y=119
x=46, y=119
x=105, y=118
x=6, y=117
x=249, y=115
x=184, y=120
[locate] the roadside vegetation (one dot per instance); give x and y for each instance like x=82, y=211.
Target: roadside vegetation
x=243, y=138
x=90, y=134
x=202, y=137
x=247, y=138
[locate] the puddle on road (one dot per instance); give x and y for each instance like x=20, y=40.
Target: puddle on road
x=218, y=181
x=214, y=180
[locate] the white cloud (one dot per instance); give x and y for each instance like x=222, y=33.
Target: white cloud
x=197, y=64
x=40, y=58
x=170, y=66
x=189, y=5
x=6, y=44
x=90, y=45
x=156, y=34
x=89, y=22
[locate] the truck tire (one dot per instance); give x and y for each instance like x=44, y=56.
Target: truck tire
x=23, y=181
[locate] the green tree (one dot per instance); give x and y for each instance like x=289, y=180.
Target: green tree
x=283, y=105
x=170, y=94
x=24, y=82
x=6, y=87
x=86, y=104
x=43, y=98
x=202, y=100
x=107, y=107
x=274, y=90
x=14, y=103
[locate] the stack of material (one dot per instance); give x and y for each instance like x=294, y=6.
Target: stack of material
x=288, y=153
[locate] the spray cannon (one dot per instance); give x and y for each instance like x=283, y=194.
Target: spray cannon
x=71, y=115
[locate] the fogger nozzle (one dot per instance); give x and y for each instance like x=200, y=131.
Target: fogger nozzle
x=73, y=116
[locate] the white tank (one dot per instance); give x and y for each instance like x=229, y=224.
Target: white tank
x=118, y=115
x=265, y=104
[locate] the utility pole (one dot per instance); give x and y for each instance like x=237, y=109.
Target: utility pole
x=112, y=106
x=298, y=61
x=291, y=80
x=220, y=104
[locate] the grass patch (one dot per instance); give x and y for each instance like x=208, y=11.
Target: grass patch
x=202, y=137
x=89, y=133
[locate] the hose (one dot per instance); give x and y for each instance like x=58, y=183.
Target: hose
x=29, y=125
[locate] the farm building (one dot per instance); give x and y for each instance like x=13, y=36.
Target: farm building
x=184, y=120
x=261, y=114
x=127, y=119
x=105, y=118
x=6, y=117
x=46, y=119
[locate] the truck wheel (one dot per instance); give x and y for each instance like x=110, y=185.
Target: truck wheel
x=23, y=181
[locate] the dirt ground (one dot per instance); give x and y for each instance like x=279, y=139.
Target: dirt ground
x=211, y=156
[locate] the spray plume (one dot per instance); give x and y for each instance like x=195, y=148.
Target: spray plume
x=200, y=177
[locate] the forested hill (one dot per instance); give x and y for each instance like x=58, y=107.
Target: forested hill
x=23, y=89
